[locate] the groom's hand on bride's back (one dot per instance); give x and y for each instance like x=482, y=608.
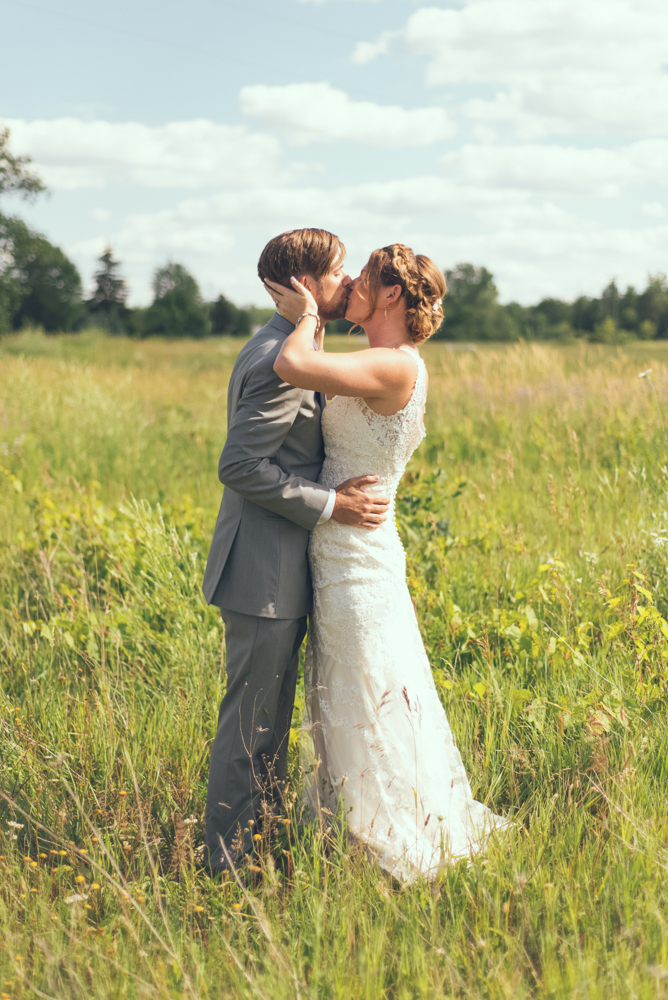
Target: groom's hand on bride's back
x=356, y=507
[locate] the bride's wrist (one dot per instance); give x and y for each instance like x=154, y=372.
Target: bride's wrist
x=308, y=313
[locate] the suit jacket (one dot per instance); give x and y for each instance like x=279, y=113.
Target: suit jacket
x=273, y=454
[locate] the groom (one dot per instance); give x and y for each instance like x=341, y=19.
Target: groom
x=257, y=571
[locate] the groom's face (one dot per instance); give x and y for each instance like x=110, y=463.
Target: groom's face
x=331, y=293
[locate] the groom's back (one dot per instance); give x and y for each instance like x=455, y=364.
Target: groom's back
x=272, y=457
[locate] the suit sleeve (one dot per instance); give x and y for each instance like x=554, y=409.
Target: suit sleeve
x=266, y=411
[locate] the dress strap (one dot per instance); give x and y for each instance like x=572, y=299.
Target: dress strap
x=418, y=388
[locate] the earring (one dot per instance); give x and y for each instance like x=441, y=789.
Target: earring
x=385, y=315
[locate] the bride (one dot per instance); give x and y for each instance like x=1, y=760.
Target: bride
x=374, y=734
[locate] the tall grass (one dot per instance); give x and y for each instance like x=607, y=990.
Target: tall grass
x=534, y=517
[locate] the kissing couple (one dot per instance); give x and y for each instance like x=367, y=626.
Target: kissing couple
x=306, y=534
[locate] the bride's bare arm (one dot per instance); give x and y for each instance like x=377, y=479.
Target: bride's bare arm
x=376, y=373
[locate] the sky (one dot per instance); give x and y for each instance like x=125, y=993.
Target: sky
x=528, y=136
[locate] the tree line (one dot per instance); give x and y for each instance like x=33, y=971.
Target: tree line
x=40, y=286
x=473, y=312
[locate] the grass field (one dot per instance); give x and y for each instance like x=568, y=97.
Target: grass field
x=535, y=516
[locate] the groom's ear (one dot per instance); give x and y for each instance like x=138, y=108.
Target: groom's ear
x=308, y=282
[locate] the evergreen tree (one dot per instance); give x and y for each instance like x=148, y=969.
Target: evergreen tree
x=227, y=320
x=107, y=304
x=177, y=309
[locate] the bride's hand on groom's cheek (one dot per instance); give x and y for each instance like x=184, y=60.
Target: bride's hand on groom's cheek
x=358, y=508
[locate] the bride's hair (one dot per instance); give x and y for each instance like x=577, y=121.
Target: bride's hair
x=422, y=286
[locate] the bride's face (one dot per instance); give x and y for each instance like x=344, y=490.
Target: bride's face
x=358, y=303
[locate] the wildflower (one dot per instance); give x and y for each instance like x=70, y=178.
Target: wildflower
x=122, y=793
x=26, y=858
x=199, y=909
x=44, y=855
x=76, y=897
x=14, y=826
x=63, y=854
x=95, y=885
x=94, y=840
x=645, y=373
x=33, y=864
x=190, y=821
x=255, y=868
x=257, y=836
x=236, y=907
x=80, y=878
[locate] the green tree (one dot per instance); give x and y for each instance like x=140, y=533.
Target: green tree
x=585, y=313
x=107, y=303
x=471, y=307
x=45, y=285
x=628, y=310
x=653, y=304
x=15, y=178
x=227, y=319
x=177, y=309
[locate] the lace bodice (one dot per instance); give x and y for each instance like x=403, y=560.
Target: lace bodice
x=359, y=441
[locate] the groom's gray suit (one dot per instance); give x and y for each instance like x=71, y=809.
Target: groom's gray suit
x=257, y=573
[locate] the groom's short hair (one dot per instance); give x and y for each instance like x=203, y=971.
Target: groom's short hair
x=299, y=252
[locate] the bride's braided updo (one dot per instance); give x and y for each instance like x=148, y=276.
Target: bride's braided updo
x=422, y=284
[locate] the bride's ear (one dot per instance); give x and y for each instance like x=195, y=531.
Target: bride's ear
x=393, y=296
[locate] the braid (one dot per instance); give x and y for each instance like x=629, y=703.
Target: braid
x=422, y=284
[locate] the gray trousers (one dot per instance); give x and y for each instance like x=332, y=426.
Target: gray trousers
x=251, y=742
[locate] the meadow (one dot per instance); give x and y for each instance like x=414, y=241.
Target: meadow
x=535, y=516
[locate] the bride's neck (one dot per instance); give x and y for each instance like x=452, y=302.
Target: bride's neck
x=390, y=332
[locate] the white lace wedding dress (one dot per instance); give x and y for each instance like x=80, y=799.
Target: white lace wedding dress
x=374, y=732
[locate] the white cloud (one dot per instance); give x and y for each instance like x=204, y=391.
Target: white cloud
x=366, y=52
x=561, y=170
x=69, y=153
x=532, y=244
x=654, y=209
x=101, y=214
x=312, y=112
x=558, y=67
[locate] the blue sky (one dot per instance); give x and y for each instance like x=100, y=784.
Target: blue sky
x=530, y=136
